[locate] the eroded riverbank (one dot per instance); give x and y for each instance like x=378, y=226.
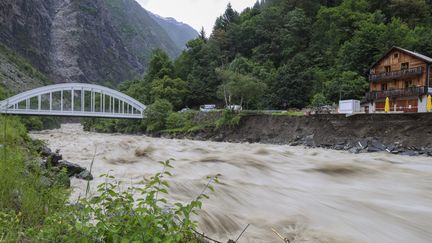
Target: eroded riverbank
x=313, y=195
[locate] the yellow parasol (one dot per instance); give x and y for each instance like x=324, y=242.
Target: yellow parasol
x=387, y=105
x=429, y=104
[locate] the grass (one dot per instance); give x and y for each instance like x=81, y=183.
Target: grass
x=23, y=65
x=288, y=113
x=24, y=196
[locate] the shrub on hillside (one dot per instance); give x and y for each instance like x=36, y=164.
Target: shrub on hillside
x=156, y=115
x=229, y=119
x=177, y=120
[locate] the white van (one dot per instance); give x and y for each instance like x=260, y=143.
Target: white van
x=207, y=108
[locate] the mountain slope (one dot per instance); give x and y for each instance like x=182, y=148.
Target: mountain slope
x=92, y=41
x=180, y=32
x=16, y=74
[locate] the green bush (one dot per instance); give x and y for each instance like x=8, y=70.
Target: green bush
x=177, y=120
x=33, y=123
x=229, y=119
x=104, y=125
x=318, y=100
x=156, y=115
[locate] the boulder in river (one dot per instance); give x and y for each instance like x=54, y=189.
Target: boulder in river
x=71, y=168
x=376, y=146
x=84, y=175
x=45, y=151
x=54, y=158
x=409, y=153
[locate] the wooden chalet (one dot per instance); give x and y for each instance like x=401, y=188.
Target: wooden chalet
x=404, y=77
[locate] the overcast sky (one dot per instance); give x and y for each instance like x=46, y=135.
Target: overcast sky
x=196, y=13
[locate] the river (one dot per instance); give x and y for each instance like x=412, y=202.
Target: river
x=307, y=195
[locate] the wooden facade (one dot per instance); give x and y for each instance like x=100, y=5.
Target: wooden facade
x=401, y=75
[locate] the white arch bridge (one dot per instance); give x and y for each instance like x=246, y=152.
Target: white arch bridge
x=74, y=99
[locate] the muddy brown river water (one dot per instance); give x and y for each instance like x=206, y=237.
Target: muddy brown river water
x=308, y=195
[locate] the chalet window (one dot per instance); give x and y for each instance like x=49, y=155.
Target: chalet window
x=404, y=65
x=396, y=55
x=408, y=83
x=387, y=69
x=383, y=87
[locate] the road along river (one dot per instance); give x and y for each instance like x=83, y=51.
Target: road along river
x=308, y=195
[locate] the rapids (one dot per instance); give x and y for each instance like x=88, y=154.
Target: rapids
x=308, y=195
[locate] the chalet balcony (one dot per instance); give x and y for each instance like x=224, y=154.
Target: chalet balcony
x=412, y=91
x=405, y=73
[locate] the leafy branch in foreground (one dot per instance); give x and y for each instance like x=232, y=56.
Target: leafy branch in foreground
x=136, y=214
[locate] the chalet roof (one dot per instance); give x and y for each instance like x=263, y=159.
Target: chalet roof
x=415, y=54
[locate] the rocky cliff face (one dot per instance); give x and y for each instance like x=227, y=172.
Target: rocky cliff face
x=92, y=41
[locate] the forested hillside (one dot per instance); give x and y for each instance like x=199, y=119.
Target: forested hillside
x=289, y=53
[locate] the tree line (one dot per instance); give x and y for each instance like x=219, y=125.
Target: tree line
x=281, y=54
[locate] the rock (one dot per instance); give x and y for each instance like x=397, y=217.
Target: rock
x=43, y=163
x=218, y=138
x=85, y=175
x=54, y=158
x=428, y=151
x=391, y=148
x=71, y=168
x=339, y=147
x=309, y=141
x=363, y=143
x=376, y=146
x=355, y=150
x=409, y=153
x=296, y=143
x=347, y=146
x=45, y=151
x=373, y=150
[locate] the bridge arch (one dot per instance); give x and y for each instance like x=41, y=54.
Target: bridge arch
x=74, y=99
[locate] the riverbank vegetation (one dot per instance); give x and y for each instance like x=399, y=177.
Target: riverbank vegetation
x=35, y=204
x=160, y=118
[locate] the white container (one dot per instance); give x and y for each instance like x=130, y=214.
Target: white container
x=349, y=106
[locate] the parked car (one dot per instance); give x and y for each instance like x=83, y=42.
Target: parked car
x=207, y=108
x=186, y=109
x=235, y=107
